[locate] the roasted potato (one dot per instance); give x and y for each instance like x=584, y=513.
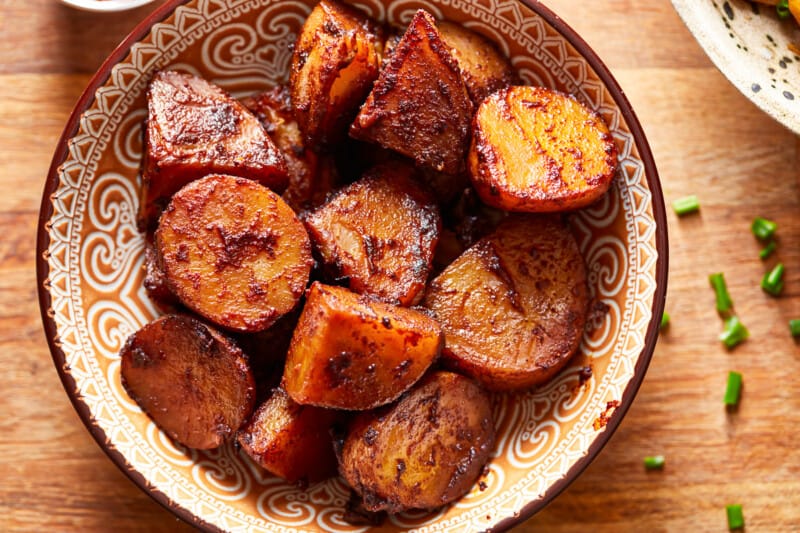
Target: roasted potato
x=484, y=69
x=419, y=106
x=234, y=252
x=155, y=281
x=380, y=234
x=194, y=128
x=290, y=440
x=423, y=452
x=513, y=306
x=537, y=150
x=336, y=59
x=190, y=379
x=352, y=352
x=311, y=176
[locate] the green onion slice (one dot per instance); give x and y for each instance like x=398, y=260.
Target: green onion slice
x=724, y=302
x=772, y=282
x=686, y=205
x=654, y=462
x=735, y=332
x=664, y=320
x=763, y=229
x=794, y=327
x=767, y=250
x=735, y=516
x=783, y=9
x=734, y=389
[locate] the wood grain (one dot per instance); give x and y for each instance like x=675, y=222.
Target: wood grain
x=708, y=140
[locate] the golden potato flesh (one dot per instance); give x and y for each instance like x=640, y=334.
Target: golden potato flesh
x=192, y=381
x=352, y=352
x=484, y=68
x=336, y=59
x=380, y=234
x=419, y=106
x=514, y=305
x=290, y=440
x=234, y=252
x=537, y=150
x=423, y=452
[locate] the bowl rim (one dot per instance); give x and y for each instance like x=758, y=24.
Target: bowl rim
x=97, y=6
x=661, y=236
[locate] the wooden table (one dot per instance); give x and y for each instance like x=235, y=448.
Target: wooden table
x=707, y=139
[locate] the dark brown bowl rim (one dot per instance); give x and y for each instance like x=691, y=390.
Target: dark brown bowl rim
x=659, y=213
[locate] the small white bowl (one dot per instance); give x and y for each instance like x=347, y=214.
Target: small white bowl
x=105, y=6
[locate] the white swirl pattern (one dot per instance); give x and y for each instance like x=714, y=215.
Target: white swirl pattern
x=95, y=258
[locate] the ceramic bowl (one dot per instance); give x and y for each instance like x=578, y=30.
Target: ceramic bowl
x=105, y=6
x=90, y=258
x=749, y=44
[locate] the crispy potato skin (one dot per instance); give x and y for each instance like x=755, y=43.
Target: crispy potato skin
x=351, y=352
x=155, y=281
x=290, y=440
x=423, y=452
x=537, y=150
x=380, y=233
x=190, y=379
x=234, y=252
x=193, y=129
x=419, y=106
x=513, y=307
x=484, y=69
x=336, y=59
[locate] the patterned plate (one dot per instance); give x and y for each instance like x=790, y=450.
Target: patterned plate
x=90, y=260
x=750, y=46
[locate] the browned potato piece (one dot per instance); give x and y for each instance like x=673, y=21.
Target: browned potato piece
x=514, y=305
x=423, y=452
x=335, y=61
x=419, y=106
x=380, y=233
x=537, y=150
x=194, y=128
x=234, y=252
x=351, y=352
x=155, y=281
x=290, y=440
x=192, y=381
x=484, y=68
x=311, y=176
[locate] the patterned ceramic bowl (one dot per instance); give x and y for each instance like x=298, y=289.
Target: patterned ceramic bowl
x=90, y=258
x=750, y=46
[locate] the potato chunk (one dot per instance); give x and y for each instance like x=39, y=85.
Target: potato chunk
x=419, y=106
x=513, y=306
x=194, y=128
x=191, y=380
x=484, y=69
x=537, y=150
x=336, y=59
x=234, y=252
x=290, y=440
x=351, y=352
x=423, y=452
x=380, y=233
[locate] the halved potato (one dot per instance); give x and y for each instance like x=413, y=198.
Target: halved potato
x=513, y=306
x=336, y=59
x=194, y=128
x=419, y=106
x=192, y=381
x=155, y=281
x=537, y=150
x=423, y=452
x=234, y=252
x=380, y=234
x=352, y=352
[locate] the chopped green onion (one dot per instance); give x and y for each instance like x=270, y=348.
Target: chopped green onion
x=686, y=205
x=794, y=327
x=654, y=462
x=763, y=229
x=664, y=320
x=724, y=302
x=767, y=250
x=772, y=282
x=783, y=9
x=735, y=516
x=734, y=333
x=734, y=389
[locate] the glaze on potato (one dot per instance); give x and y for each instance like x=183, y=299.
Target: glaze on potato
x=513, y=306
x=234, y=252
x=423, y=452
x=537, y=150
x=380, y=234
x=190, y=379
x=419, y=106
x=194, y=129
x=351, y=352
